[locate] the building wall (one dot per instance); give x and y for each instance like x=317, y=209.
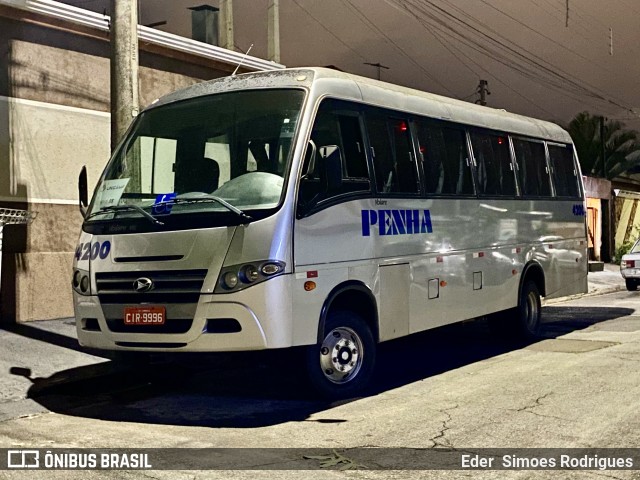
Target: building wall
x=54, y=104
x=599, y=231
x=627, y=218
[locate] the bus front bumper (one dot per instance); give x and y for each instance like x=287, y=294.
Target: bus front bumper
x=222, y=323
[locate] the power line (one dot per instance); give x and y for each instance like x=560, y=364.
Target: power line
x=561, y=19
x=380, y=32
x=405, y=10
x=441, y=27
x=530, y=72
x=529, y=57
x=542, y=34
x=327, y=30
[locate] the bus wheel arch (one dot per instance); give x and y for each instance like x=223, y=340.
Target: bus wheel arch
x=352, y=296
x=523, y=322
x=341, y=363
x=533, y=272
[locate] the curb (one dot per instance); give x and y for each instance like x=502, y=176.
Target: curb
x=600, y=291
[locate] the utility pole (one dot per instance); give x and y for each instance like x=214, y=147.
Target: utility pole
x=379, y=66
x=483, y=91
x=604, y=169
x=610, y=41
x=274, y=31
x=226, y=39
x=124, y=67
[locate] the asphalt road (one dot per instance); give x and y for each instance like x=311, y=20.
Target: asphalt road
x=456, y=387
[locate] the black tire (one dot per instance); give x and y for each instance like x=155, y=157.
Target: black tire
x=348, y=371
x=522, y=322
x=529, y=311
x=632, y=285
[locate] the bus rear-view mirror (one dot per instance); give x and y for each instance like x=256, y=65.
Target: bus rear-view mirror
x=83, y=194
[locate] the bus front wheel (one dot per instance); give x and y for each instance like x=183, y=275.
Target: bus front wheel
x=341, y=364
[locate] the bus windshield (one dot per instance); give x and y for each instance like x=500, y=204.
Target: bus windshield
x=227, y=152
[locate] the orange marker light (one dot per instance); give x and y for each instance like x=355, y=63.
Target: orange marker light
x=443, y=283
x=308, y=286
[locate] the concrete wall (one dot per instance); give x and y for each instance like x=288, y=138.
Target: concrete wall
x=54, y=103
x=627, y=217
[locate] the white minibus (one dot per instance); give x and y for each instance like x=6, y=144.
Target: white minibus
x=313, y=208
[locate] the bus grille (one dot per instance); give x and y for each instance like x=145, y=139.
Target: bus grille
x=171, y=326
x=169, y=286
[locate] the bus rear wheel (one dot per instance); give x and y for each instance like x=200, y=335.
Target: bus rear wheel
x=632, y=285
x=522, y=322
x=529, y=311
x=341, y=364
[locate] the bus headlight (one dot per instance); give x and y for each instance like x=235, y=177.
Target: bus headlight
x=81, y=282
x=239, y=277
x=250, y=274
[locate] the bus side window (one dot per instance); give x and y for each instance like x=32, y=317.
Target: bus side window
x=564, y=173
x=533, y=172
x=494, y=171
x=446, y=164
x=336, y=125
x=393, y=159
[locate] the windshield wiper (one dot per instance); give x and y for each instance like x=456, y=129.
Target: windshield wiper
x=207, y=199
x=124, y=208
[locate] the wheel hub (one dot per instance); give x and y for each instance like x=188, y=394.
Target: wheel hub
x=341, y=355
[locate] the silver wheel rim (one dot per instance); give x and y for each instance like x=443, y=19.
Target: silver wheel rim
x=532, y=311
x=341, y=355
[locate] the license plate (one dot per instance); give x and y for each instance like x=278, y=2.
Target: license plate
x=146, y=315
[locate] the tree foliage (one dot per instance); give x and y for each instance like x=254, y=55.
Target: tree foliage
x=621, y=146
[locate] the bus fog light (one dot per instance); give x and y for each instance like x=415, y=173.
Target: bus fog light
x=230, y=280
x=84, y=284
x=76, y=279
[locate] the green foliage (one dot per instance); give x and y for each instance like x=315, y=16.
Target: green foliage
x=626, y=246
x=621, y=146
x=622, y=250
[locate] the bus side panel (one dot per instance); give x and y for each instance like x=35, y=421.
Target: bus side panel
x=461, y=259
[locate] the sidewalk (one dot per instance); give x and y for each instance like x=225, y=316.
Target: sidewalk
x=606, y=281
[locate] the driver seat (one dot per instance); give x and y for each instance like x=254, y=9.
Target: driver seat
x=200, y=176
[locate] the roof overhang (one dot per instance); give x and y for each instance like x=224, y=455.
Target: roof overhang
x=92, y=20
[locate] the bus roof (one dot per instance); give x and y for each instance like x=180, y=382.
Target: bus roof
x=334, y=83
